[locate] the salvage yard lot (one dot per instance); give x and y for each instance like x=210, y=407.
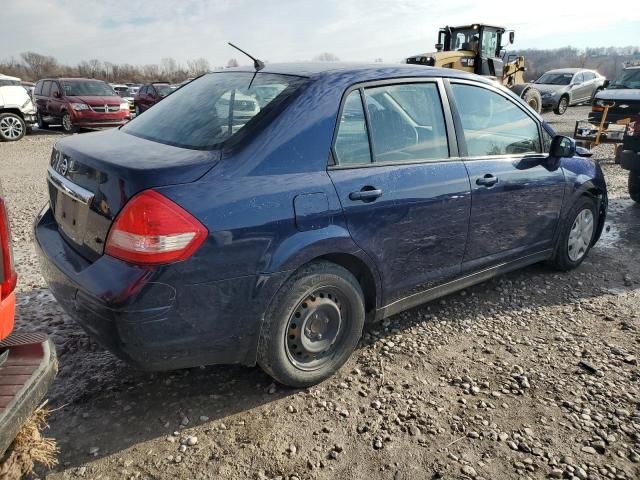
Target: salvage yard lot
x=531, y=375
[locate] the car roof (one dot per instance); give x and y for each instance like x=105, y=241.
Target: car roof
x=359, y=72
x=64, y=79
x=570, y=70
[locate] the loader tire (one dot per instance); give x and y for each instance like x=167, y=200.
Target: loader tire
x=532, y=98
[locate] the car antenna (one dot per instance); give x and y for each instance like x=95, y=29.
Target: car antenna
x=257, y=64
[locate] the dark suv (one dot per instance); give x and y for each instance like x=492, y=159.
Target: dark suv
x=79, y=103
x=193, y=235
x=150, y=94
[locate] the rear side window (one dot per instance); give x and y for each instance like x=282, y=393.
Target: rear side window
x=209, y=110
x=493, y=124
x=46, y=88
x=407, y=122
x=352, y=142
x=38, y=89
x=589, y=76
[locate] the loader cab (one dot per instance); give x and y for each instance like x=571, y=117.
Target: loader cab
x=484, y=41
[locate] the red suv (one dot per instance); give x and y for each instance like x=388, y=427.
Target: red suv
x=150, y=94
x=78, y=103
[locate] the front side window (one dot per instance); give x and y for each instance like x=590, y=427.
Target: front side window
x=54, y=88
x=352, y=141
x=493, y=124
x=489, y=43
x=209, y=110
x=407, y=122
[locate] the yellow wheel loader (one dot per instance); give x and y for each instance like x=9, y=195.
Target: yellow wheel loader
x=478, y=49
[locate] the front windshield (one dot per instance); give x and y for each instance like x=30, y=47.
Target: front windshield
x=628, y=79
x=163, y=90
x=83, y=88
x=555, y=79
x=465, y=39
x=212, y=108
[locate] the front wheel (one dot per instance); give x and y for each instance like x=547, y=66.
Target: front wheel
x=67, y=123
x=12, y=127
x=562, y=106
x=634, y=185
x=533, y=99
x=312, y=326
x=576, y=234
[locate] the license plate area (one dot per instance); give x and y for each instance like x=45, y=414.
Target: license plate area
x=71, y=217
x=70, y=204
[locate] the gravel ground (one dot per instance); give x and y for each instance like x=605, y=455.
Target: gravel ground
x=530, y=375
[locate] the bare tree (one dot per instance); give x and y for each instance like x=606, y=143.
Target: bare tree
x=326, y=57
x=38, y=65
x=232, y=63
x=198, y=66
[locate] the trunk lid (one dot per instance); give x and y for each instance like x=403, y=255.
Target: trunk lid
x=91, y=177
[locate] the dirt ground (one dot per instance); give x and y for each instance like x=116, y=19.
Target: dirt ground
x=532, y=375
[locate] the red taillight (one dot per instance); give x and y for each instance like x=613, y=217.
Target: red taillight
x=151, y=229
x=9, y=275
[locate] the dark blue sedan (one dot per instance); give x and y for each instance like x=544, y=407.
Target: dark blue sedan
x=263, y=217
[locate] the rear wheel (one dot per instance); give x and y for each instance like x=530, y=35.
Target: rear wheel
x=12, y=127
x=533, y=99
x=67, y=123
x=634, y=185
x=312, y=326
x=562, y=106
x=576, y=234
x=42, y=125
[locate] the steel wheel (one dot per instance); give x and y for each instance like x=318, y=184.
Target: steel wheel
x=580, y=235
x=315, y=329
x=11, y=127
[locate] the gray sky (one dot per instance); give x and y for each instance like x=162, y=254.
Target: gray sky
x=288, y=30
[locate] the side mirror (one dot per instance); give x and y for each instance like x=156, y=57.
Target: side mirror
x=562, y=147
x=512, y=36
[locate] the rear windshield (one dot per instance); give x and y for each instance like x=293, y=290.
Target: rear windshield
x=75, y=88
x=210, y=109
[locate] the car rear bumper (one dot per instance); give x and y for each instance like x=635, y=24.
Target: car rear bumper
x=25, y=376
x=150, y=317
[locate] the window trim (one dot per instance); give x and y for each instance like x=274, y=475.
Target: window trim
x=462, y=142
x=446, y=111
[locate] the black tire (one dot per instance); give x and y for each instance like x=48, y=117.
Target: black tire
x=12, y=127
x=562, y=106
x=634, y=185
x=565, y=257
x=533, y=98
x=42, y=125
x=281, y=348
x=67, y=123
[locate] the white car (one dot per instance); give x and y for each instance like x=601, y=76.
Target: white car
x=17, y=111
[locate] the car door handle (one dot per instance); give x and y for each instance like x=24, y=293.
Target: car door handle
x=487, y=181
x=367, y=194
